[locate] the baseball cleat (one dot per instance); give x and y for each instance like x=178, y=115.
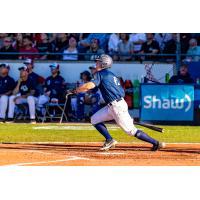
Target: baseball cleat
x=32, y=121
x=9, y=120
x=108, y=144
x=160, y=145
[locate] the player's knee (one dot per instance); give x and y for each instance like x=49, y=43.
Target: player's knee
x=131, y=132
x=30, y=99
x=11, y=98
x=93, y=120
x=4, y=98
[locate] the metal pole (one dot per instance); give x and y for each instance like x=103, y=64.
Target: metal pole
x=178, y=52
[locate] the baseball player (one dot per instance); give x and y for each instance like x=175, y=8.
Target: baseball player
x=7, y=84
x=116, y=107
x=23, y=93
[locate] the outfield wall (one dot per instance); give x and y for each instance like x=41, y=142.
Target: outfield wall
x=71, y=70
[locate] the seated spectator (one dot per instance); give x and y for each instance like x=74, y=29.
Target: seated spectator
x=36, y=79
x=28, y=48
x=94, y=50
x=193, y=51
x=84, y=44
x=8, y=48
x=54, y=87
x=7, y=84
x=18, y=43
x=184, y=40
x=113, y=44
x=162, y=38
x=125, y=47
x=137, y=39
x=61, y=42
x=170, y=48
x=71, y=53
x=183, y=76
x=44, y=46
x=2, y=36
x=151, y=47
x=23, y=93
x=90, y=98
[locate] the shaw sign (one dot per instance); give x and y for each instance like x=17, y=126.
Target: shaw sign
x=167, y=102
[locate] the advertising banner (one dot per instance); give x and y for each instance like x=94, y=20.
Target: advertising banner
x=167, y=102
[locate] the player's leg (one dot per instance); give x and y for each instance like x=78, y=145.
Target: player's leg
x=124, y=120
x=3, y=107
x=31, y=104
x=97, y=121
x=11, y=108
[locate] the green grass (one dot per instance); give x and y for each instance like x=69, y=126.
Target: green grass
x=58, y=133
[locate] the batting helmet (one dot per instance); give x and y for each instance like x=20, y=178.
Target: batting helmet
x=106, y=61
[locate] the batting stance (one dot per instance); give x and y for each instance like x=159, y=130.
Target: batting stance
x=116, y=107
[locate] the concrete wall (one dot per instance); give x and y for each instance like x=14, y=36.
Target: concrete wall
x=71, y=71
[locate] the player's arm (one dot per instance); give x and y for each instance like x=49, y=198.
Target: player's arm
x=16, y=90
x=85, y=87
x=8, y=93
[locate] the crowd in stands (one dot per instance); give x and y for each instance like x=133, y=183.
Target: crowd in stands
x=86, y=46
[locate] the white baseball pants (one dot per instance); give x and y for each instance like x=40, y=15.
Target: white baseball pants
x=3, y=106
x=31, y=100
x=119, y=112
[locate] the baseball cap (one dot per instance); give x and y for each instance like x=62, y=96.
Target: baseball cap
x=54, y=66
x=5, y=65
x=28, y=61
x=24, y=67
x=98, y=58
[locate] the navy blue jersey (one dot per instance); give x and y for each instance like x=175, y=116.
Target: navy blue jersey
x=34, y=77
x=55, y=85
x=26, y=86
x=6, y=84
x=109, y=85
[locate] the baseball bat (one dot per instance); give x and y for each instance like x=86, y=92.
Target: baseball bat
x=152, y=127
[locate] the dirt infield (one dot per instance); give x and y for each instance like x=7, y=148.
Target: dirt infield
x=88, y=154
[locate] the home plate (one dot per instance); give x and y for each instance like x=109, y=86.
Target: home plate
x=107, y=153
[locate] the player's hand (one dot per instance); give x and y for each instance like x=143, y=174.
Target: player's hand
x=72, y=91
x=47, y=93
x=16, y=98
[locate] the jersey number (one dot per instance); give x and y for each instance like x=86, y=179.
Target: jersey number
x=116, y=81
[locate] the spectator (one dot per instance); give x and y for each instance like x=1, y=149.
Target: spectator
x=113, y=44
x=193, y=51
x=95, y=50
x=170, y=48
x=184, y=40
x=137, y=39
x=2, y=36
x=71, y=53
x=90, y=98
x=84, y=44
x=18, y=43
x=151, y=47
x=44, y=47
x=183, y=76
x=28, y=48
x=61, y=41
x=23, y=93
x=8, y=48
x=36, y=79
x=162, y=38
x=54, y=87
x=7, y=84
x=125, y=47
